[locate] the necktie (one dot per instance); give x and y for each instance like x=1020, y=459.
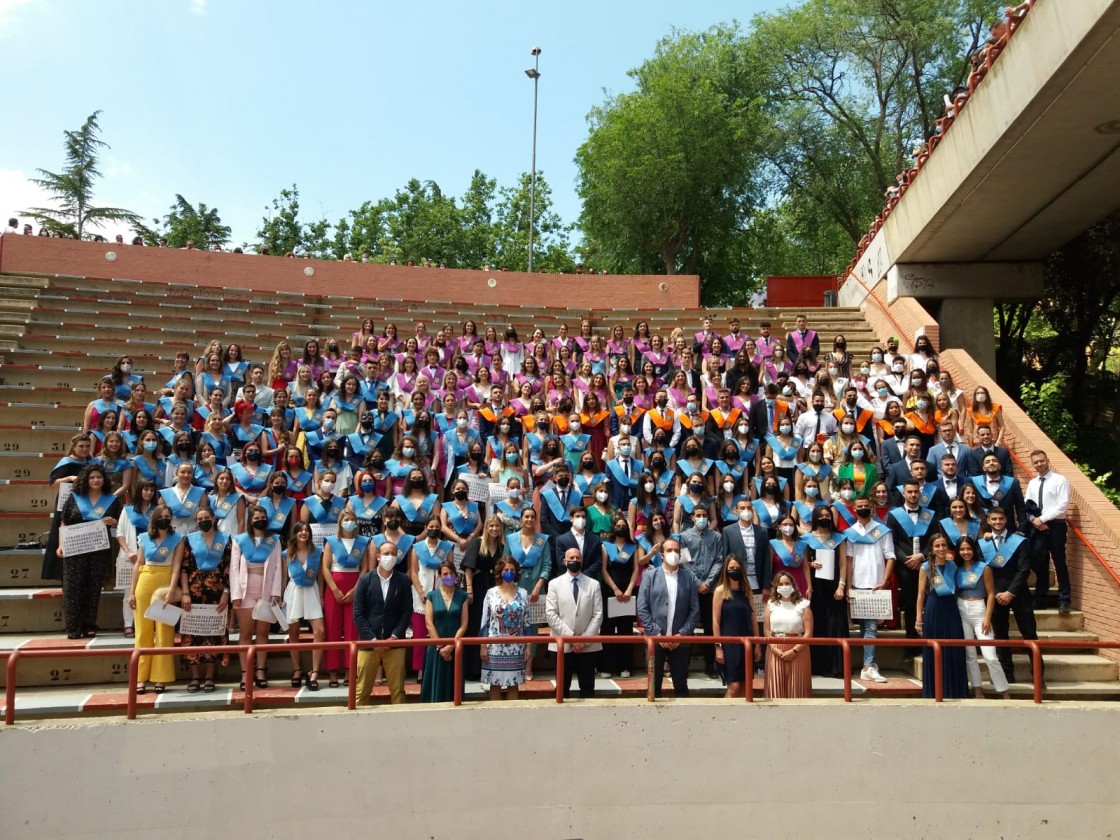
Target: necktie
x=1041, y=481
x=949, y=449
x=575, y=590
x=564, y=499
x=626, y=467
x=998, y=541
x=817, y=433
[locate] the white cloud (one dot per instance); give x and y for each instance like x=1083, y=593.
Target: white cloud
x=7, y=10
x=198, y=7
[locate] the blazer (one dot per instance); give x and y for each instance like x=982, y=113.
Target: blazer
x=592, y=553
x=239, y=571
x=1004, y=456
x=759, y=418
x=899, y=473
x=733, y=544
x=378, y=617
x=653, y=604
x=1013, y=503
x=1014, y=576
x=967, y=465
x=567, y=617
x=891, y=453
x=938, y=500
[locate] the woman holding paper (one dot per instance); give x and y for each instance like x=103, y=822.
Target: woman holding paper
x=90, y=502
x=620, y=580
x=133, y=522
x=826, y=559
x=204, y=581
x=64, y=472
x=159, y=558
x=254, y=578
x=939, y=618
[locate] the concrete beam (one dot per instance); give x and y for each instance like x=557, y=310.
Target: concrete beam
x=941, y=281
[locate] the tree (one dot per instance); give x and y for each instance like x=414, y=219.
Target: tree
x=72, y=188
x=510, y=233
x=185, y=223
x=282, y=230
x=668, y=175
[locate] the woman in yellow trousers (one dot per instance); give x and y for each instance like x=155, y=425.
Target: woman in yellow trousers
x=158, y=560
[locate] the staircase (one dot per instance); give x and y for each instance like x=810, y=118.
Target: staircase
x=59, y=335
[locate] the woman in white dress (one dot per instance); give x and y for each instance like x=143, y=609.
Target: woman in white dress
x=303, y=599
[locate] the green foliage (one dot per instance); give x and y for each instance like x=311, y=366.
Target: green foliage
x=185, y=223
x=72, y=188
x=281, y=230
x=1047, y=404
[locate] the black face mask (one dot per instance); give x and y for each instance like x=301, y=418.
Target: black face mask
x=864, y=513
x=734, y=574
x=279, y=489
x=696, y=488
x=563, y=481
x=378, y=464
x=823, y=523
x=460, y=495
x=433, y=534
x=476, y=456
x=588, y=465
x=206, y=525
x=416, y=483
x=163, y=524
x=574, y=565
x=392, y=524
x=332, y=453
x=621, y=532
x=184, y=448
x=260, y=524
x=658, y=463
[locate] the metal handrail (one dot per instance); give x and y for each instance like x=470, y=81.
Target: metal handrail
x=748, y=642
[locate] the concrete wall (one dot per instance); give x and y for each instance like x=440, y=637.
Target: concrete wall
x=709, y=769
x=37, y=255
x=904, y=317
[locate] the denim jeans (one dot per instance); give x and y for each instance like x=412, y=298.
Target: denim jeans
x=869, y=629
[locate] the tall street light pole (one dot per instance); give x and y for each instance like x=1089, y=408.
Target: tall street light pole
x=533, y=73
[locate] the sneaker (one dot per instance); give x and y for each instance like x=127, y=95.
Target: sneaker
x=625, y=675
x=871, y=674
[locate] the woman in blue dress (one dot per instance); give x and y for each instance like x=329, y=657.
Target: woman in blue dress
x=445, y=615
x=939, y=618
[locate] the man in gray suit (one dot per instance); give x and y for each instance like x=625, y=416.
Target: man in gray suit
x=748, y=541
x=669, y=605
x=574, y=607
x=700, y=554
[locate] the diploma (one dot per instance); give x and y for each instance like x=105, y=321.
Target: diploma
x=203, y=620
x=83, y=538
x=265, y=610
x=64, y=491
x=478, y=487
x=536, y=611
x=163, y=613
x=618, y=609
x=320, y=531
x=871, y=605
x=827, y=558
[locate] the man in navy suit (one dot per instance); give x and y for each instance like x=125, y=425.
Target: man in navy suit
x=947, y=445
x=748, y=541
x=382, y=610
x=987, y=445
x=893, y=448
x=669, y=605
x=951, y=481
x=623, y=473
x=1002, y=491
x=588, y=542
x=900, y=471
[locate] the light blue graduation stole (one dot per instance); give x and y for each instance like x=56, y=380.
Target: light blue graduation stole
x=584, y=484
x=912, y=529
x=663, y=483
x=981, y=485
x=417, y=514
x=727, y=511
x=953, y=532
x=246, y=481
x=575, y=443
x=790, y=559
x=970, y=577
x=366, y=512
x=92, y=512
x=309, y=421
x=782, y=451
x=247, y=435
x=462, y=523
x=208, y=558
x=764, y=517
x=552, y=499
x=924, y=495
x=359, y=446
x=944, y=581
x=253, y=552
x=688, y=470
x=509, y=510
x=429, y=557
x=277, y=513
x=397, y=469
x=305, y=576
x=876, y=533
x=526, y=558
x=817, y=471
x=223, y=508
x=139, y=520
x=758, y=479
x=323, y=514
x=404, y=544
x=186, y=508
x=817, y=544
x=845, y=513
x=619, y=475
x=735, y=470
x=158, y=474
x=747, y=452
x=647, y=547
x=804, y=512
x=161, y=553
x=998, y=557
x=351, y=559
x=619, y=555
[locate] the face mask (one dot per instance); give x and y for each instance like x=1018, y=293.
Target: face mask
x=787, y=390
x=183, y=448
x=864, y=513
x=408, y=451
x=692, y=451
x=574, y=566
x=126, y=368
x=328, y=424
x=163, y=524
x=624, y=429
x=735, y=574
x=882, y=392
x=857, y=454
x=833, y=371
x=515, y=493
x=696, y=488
x=349, y=526
x=563, y=481
x=504, y=428
x=701, y=523
x=787, y=530
x=509, y=576
x=745, y=516
x=864, y=370
x=898, y=368
x=691, y=407
x=448, y=580
x=574, y=425
x=812, y=492
x=662, y=402
x=387, y=562
x=649, y=486
x=367, y=486
x=150, y=446
x=729, y=487
x=625, y=450
x=367, y=422
x=770, y=489
x=671, y=558
x=279, y=489
x=848, y=428
x=601, y=496
x=815, y=457
x=769, y=402
x=260, y=524
x=621, y=532
x=744, y=428
x=876, y=357
x=393, y=524
x=461, y=423
x=460, y=495
x=923, y=404
x=847, y=494
x=785, y=590
x=785, y=428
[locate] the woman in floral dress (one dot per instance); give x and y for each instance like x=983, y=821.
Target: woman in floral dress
x=505, y=612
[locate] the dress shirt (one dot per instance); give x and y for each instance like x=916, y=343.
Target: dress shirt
x=671, y=589
x=384, y=581
x=869, y=559
x=951, y=486
x=579, y=537
x=1055, y=495
x=747, y=533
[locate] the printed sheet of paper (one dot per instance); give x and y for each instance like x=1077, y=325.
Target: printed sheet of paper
x=536, y=611
x=124, y=573
x=163, y=613
x=64, y=491
x=83, y=538
x=478, y=487
x=320, y=532
x=869, y=605
x=203, y=620
x=498, y=493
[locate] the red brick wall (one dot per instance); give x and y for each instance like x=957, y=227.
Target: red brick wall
x=35, y=255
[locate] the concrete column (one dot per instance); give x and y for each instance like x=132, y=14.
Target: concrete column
x=966, y=324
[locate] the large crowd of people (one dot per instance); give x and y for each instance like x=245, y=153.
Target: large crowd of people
x=477, y=482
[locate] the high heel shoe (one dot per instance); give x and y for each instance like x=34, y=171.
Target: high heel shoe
x=261, y=680
x=242, y=680
x=313, y=681
x=297, y=678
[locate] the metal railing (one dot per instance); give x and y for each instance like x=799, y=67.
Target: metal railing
x=749, y=644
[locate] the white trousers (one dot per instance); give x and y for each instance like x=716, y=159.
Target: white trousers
x=972, y=616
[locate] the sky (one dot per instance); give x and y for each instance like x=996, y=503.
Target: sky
x=229, y=101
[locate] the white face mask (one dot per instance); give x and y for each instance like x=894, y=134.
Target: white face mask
x=578, y=523
x=744, y=428
x=574, y=425
x=650, y=486
x=745, y=516
x=326, y=486
x=624, y=429
x=601, y=496
x=671, y=558
x=847, y=428
x=700, y=523
x=847, y=494
x=787, y=530
x=729, y=487
x=515, y=493
x=857, y=454
x=815, y=457
x=785, y=429
x=461, y=423
x=387, y=561
x=785, y=590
